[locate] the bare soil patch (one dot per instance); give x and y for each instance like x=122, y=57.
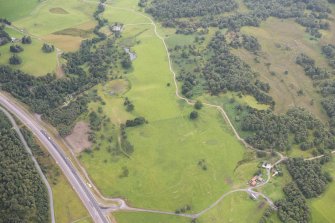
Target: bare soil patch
x=58, y=11
x=79, y=137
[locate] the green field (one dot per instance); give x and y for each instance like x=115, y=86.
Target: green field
x=237, y=207
x=163, y=170
x=140, y=217
x=56, y=15
x=15, y=9
x=34, y=61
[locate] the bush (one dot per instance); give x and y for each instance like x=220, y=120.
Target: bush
x=15, y=60
x=26, y=40
x=194, y=115
x=48, y=48
x=198, y=105
x=15, y=48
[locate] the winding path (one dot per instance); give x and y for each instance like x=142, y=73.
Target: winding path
x=37, y=166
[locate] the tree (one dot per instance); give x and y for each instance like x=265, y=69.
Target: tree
x=194, y=115
x=16, y=48
x=46, y=48
x=15, y=60
x=198, y=105
x=26, y=40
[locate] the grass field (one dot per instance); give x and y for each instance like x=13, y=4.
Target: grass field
x=237, y=207
x=43, y=20
x=281, y=42
x=321, y=207
x=163, y=170
x=140, y=217
x=15, y=9
x=34, y=61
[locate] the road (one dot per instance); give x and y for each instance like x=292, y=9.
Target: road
x=38, y=168
x=62, y=160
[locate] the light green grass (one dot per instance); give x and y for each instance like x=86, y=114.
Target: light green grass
x=163, y=171
x=322, y=208
x=15, y=9
x=42, y=22
x=237, y=207
x=34, y=61
x=140, y=217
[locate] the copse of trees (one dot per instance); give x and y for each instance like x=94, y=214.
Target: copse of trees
x=4, y=36
x=16, y=48
x=15, y=60
x=294, y=207
x=314, y=72
x=23, y=195
x=329, y=52
x=26, y=40
x=274, y=131
x=308, y=176
x=226, y=72
x=46, y=48
x=136, y=122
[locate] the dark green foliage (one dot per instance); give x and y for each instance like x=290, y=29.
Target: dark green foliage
x=226, y=72
x=23, y=197
x=310, y=69
x=294, y=207
x=15, y=60
x=26, y=40
x=250, y=43
x=308, y=176
x=126, y=147
x=46, y=48
x=16, y=48
x=4, y=37
x=170, y=9
x=273, y=131
x=198, y=105
x=129, y=105
x=5, y=21
x=64, y=117
x=136, y=122
x=194, y=115
x=329, y=52
x=95, y=121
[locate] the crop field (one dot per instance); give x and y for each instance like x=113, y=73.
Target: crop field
x=15, y=9
x=32, y=56
x=163, y=170
x=281, y=42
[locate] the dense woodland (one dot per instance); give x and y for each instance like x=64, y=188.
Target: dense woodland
x=23, y=196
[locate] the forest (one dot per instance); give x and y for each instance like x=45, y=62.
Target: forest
x=23, y=196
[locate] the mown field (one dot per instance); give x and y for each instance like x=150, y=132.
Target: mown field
x=163, y=170
x=140, y=217
x=16, y=9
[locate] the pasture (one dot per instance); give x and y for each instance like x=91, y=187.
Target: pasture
x=34, y=61
x=43, y=20
x=140, y=217
x=281, y=42
x=237, y=207
x=164, y=172
x=16, y=9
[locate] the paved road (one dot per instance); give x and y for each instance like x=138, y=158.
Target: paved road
x=39, y=170
x=62, y=160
